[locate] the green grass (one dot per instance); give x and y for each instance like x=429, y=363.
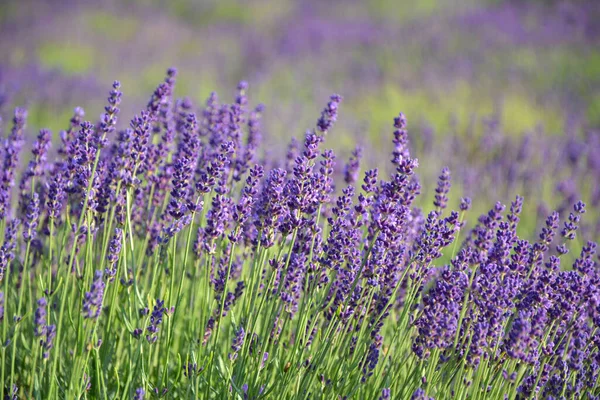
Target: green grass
x=462, y=102
x=108, y=25
x=70, y=58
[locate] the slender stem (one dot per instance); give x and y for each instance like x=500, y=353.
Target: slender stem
x=70, y=266
x=4, y=321
x=220, y=315
x=18, y=316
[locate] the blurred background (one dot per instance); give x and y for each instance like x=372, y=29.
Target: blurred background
x=506, y=93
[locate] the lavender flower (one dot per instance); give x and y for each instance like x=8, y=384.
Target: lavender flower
x=329, y=114
x=30, y=222
x=322, y=182
x=217, y=220
x=243, y=210
x=568, y=232
x=39, y=151
x=190, y=369
x=12, y=395
x=156, y=319
x=522, y=341
x=7, y=251
x=141, y=137
x=114, y=249
x=293, y=151
x=140, y=394
x=67, y=138
x=400, y=140
x=56, y=195
x=83, y=158
x=352, y=168
x=385, y=394
x=419, y=394
x=109, y=118
x=345, y=265
x=47, y=342
x=465, y=204
x=292, y=284
x=372, y=358
x=92, y=301
x=252, y=142
x=238, y=342
x=181, y=177
x=270, y=207
x=443, y=187
x=12, y=148
x=39, y=320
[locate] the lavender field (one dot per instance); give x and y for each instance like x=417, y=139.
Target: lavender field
x=277, y=199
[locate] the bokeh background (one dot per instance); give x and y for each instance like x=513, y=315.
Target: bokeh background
x=506, y=93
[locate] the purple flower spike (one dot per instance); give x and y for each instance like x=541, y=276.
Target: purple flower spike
x=419, y=394
x=329, y=114
x=385, y=394
x=92, y=302
x=372, y=358
x=109, y=118
x=56, y=195
x=7, y=251
x=39, y=151
x=114, y=249
x=140, y=394
x=270, y=207
x=568, y=232
x=442, y=189
x=39, y=320
x=352, y=168
x=48, y=341
x=30, y=222
x=238, y=342
x=12, y=148
x=156, y=319
x=465, y=204
x=141, y=138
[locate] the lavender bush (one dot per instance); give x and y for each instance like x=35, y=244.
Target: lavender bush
x=176, y=259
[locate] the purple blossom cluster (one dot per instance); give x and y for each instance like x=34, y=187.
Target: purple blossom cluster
x=156, y=319
x=504, y=298
x=92, y=302
x=331, y=278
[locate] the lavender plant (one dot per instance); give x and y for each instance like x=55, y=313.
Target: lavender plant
x=164, y=260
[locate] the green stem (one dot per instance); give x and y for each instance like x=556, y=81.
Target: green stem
x=18, y=315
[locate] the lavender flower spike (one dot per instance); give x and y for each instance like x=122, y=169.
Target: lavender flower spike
x=140, y=394
x=114, y=249
x=12, y=148
x=31, y=219
x=92, y=301
x=238, y=341
x=442, y=189
x=40, y=317
x=48, y=341
x=329, y=114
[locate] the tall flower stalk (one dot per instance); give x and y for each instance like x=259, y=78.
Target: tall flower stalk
x=175, y=257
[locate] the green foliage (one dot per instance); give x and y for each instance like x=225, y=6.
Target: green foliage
x=461, y=103
x=71, y=58
x=108, y=25
x=593, y=111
